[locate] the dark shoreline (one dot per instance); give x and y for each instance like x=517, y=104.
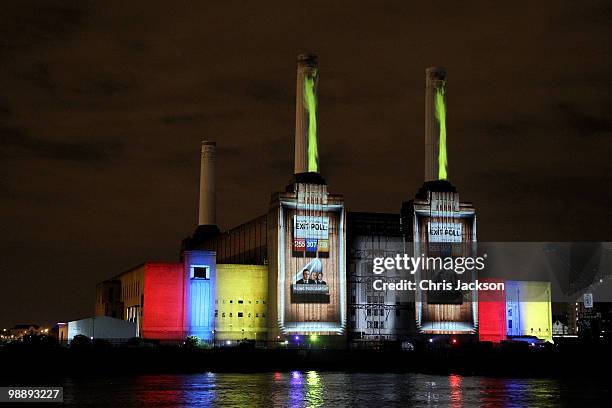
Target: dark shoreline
x=24, y=361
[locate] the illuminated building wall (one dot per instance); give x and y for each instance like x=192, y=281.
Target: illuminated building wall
x=169, y=301
x=528, y=309
x=241, y=303
x=199, y=293
x=375, y=315
x=101, y=327
x=491, y=314
x=163, y=301
x=439, y=224
x=306, y=234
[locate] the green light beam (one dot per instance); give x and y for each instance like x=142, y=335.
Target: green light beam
x=441, y=117
x=310, y=103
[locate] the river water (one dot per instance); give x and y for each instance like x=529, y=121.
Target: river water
x=319, y=389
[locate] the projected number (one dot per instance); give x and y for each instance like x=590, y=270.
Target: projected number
x=311, y=245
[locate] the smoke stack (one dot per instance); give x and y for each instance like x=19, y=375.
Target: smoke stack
x=208, y=194
x=436, y=161
x=306, y=147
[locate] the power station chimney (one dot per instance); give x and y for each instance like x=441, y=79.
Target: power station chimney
x=306, y=147
x=436, y=160
x=208, y=194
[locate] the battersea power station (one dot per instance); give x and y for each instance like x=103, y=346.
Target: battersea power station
x=302, y=272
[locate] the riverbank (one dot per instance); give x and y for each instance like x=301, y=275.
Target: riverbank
x=26, y=360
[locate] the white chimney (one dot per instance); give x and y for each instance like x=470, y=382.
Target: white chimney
x=208, y=194
x=306, y=145
x=436, y=158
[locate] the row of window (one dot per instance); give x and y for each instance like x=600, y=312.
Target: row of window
x=377, y=312
x=240, y=314
x=375, y=325
x=371, y=299
x=240, y=301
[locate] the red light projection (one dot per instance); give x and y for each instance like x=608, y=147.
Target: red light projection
x=492, y=313
x=163, y=305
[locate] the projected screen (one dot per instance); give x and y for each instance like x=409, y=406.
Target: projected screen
x=310, y=271
x=441, y=234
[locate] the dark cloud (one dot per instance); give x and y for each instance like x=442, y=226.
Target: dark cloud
x=200, y=117
x=14, y=143
x=29, y=24
x=257, y=89
x=103, y=87
x=585, y=123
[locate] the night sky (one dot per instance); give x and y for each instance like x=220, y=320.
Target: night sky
x=103, y=106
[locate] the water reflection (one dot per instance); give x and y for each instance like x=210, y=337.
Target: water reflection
x=314, y=395
x=296, y=389
x=455, y=390
x=317, y=389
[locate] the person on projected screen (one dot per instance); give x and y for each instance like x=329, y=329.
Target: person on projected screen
x=307, y=272
x=317, y=278
x=305, y=278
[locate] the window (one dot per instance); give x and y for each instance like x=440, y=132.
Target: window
x=249, y=315
x=369, y=299
x=369, y=312
x=200, y=272
x=240, y=314
x=509, y=324
x=369, y=325
x=257, y=301
x=376, y=325
x=352, y=312
x=382, y=325
x=231, y=301
x=240, y=302
x=256, y=314
x=216, y=313
x=509, y=312
x=231, y=314
x=263, y=315
x=375, y=312
x=223, y=314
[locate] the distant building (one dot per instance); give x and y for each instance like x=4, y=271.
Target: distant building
x=20, y=330
x=100, y=327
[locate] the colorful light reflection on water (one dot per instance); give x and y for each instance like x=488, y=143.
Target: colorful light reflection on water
x=317, y=389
